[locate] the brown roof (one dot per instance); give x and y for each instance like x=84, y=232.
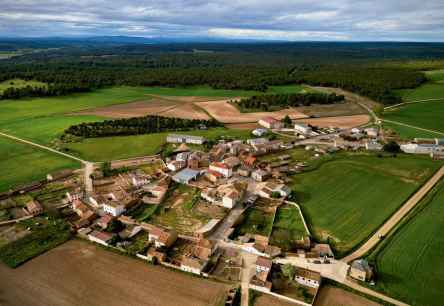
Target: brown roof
x=220, y=165
x=269, y=119
x=102, y=235
x=264, y=262
x=205, y=243
x=106, y=219
x=193, y=262
x=308, y=274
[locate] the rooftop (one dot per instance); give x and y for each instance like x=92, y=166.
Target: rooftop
x=309, y=274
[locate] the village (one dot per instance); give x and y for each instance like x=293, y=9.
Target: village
x=209, y=210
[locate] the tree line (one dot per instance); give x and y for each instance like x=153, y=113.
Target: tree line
x=137, y=126
x=42, y=91
x=281, y=101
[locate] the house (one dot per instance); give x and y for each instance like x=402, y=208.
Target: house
x=257, y=283
x=207, y=229
x=270, y=190
x=139, y=180
x=271, y=123
x=162, y=237
x=230, y=199
x=155, y=255
x=361, y=270
x=209, y=194
x=222, y=168
x=323, y=249
x=75, y=195
x=102, y=238
x=174, y=138
x=243, y=172
x=218, y=151
x=249, y=161
x=263, y=264
x=34, y=208
x=213, y=176
x=307, y=277
x=130, y=231
x=154, y=193
x=183, y=156
x=204, y=249
x=232, y=161
x=80, y=208
x=257, y=141
x=113, y=208
x=193, y=161
x=302, y=128
x=373, y=146
x=372, y=132
x=104, y=221
x=259, y=132
x=193, y=264
x=260, y=175
x=186, y=176
x=176, y=165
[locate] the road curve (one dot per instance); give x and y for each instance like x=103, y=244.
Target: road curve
x=396, y=217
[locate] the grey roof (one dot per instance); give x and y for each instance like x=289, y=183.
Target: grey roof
x=361, y=264
x=186, y=175
x=186, y=136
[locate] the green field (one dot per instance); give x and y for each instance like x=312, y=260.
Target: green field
x=428, y=115
x=349, y=196
x=256, y=221
x=18, y=83
x=427, y=91
x=120, y=147
x=408, y=133
x=409, y=264
x=20, y=163
x=288, y=227
x=436, y=75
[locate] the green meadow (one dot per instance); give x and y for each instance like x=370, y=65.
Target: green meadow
x=409, y=263
x=347, y=197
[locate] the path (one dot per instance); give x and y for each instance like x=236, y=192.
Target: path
x=357, y=287
x=7, y=222
x=89, y=167
x=412, y=102
x=396, y=217
x=248, y=266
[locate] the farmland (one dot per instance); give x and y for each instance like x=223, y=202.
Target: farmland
x=288, y=227
x=348, y=196
x=102, y=278
x=410, y=262
x=21, y=163
x=408, y=133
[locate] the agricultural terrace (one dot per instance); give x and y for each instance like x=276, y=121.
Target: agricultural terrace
x=18, y=83
x=184, y=211
x=288, y=227
x=21, y=163
x=409, y=263
x=345, y=198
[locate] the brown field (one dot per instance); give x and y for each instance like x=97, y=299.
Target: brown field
x=224, y=112
x=78, y=273
x=267, y=300
x=344, y=122
x=331, y=110
x=242, y=126
x=331, y=296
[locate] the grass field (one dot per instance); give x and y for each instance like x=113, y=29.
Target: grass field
x=288, y=227
x=18, y=83
x=20, y=163
x=346, y=198
x=410, y=262
x=428, y=115
x=436, y=75
x=256, y=221
x=408, y=133
x=427, y=91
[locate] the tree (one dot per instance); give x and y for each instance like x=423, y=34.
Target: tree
x=392, y=147
x=289, y=271
x=114, y=226
x=287, y=121
x=275, y=195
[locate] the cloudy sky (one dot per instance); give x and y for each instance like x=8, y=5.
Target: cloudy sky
x=409, y=20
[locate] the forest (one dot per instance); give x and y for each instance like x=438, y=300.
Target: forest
x=369, y=69
x=137, y=126
x=281, y=101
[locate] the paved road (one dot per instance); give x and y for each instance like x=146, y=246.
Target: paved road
x=396, y=217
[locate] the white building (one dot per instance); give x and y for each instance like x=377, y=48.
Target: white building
x=263, y=264
x=257, y=141
x=371, y=132
x=230, y=199
x=414, y=148
x=307, y=277
x=270, y=123
x=174, y=138
x=259, y=132
x=302, y=128
x=102, y=238
x=260, y=175
x=267, y=190
x=192, y=265
x=176, y=165
x=113, y=208
x=222, y=168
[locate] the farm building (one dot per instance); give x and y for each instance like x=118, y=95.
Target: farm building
x=102, y=238
x=414, y=148
x=372, y=132
x=260, y=175
x=259, y=132
x=113, y=208
x=176, y=165
x=162, y=237
x=175, y=138
x=360, y=269
x=302, y=128
x=270, y=123
x=34, y=208
x=307, y=277
x=59, y=175
x=193, y=265
x=269, y=189
x=257, y=141
x=186, y=176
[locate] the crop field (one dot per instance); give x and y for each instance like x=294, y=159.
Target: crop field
x=410, y=262
x=18, y=83
x=288, y=227
x=428, y=115
x=408, y=133
x=347, y=197
x=20, y=163
x=423, y=92
x=79, y=273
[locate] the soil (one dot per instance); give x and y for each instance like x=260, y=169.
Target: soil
x=267, y=300
x=79, y=273
x=331, y=296
x=344, y=122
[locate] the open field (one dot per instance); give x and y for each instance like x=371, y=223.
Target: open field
x=120, y=147
x=78, y=273
x=428, y=115
x=332, y=296
x=330, y=110
x=408, y=133
x=267, y=300
x=288, y=227
x=349, y=196
x=18, y=83
x=344, y=122
x=225, y=112
x=20, y=163
x=426, y=91
x=436, y=75
x=409, y=263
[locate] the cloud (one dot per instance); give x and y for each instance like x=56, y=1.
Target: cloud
x=258, y=19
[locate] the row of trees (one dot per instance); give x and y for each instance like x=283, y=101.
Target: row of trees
x=137, y=126
x=281, y=101
x=41, y=91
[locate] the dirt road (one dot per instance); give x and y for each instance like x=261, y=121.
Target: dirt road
x=396, y=217
x=78, y=273
x=247, y=273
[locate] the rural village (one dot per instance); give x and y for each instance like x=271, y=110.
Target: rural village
x=211, y=208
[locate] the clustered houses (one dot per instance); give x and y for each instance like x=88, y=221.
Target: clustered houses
x=227, y=195
x=260, y=279
x=357, y=139
x=271, y=123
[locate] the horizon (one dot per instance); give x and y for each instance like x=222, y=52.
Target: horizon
x=335, y=21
